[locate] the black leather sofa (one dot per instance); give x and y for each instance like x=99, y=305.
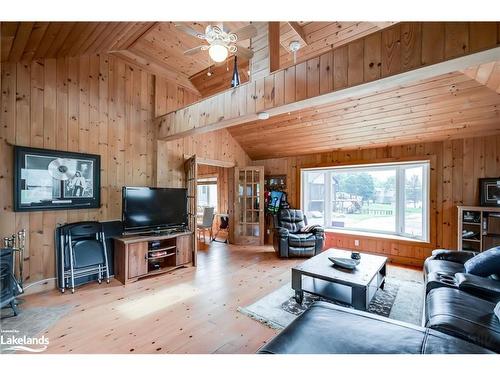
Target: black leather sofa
x=330, y=329
x=289, y=241
x=459, y=303
x=459, y=318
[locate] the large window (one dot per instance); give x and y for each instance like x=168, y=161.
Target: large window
x=207, y=193
x=380, y=198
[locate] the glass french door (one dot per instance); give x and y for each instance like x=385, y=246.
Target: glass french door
x=249, y=205
x=191, y=169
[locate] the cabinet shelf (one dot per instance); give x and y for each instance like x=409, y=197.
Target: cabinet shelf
x=134, y=260
x=163, y=256
x=161, y=249
x=470, y=240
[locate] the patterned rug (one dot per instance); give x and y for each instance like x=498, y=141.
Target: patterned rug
x=31, y=322
x=401, y=299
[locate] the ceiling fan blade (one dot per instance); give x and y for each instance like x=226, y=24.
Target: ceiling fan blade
x=193, y=51
x=244, y=53
x=190, y=31
x=246, y=32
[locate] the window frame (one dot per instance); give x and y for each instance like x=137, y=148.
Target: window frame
x=400, y=168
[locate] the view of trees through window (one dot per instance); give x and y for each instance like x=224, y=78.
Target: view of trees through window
x=207, y=193
x=382, y=198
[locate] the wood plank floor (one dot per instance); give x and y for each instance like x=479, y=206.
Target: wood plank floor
x=192, y=310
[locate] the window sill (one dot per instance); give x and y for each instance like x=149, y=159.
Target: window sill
x=376, y=235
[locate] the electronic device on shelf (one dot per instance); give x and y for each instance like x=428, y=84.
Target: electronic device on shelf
x=150, y=210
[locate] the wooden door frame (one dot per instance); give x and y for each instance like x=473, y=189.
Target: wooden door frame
x=191, y=171
x=261, y=199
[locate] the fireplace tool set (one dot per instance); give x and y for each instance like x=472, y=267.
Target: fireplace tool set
x=11, y=263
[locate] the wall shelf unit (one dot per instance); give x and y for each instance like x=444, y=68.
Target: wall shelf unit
x=478, y=228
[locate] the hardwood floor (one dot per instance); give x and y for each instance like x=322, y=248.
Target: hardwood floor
x=192, y=310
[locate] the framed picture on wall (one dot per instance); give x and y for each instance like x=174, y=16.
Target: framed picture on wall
x=52, y=180
x=489, y=189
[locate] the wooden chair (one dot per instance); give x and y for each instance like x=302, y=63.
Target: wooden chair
x=207, y=222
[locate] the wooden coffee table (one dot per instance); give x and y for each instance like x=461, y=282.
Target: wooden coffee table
x=318, y=276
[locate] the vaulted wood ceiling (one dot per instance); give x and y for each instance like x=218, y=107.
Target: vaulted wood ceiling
x=319, y=37
x=158, y=46
x=450, y=106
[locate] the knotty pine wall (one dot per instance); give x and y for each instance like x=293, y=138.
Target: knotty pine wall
x=454, y=181
x=94, y=104
x=217, y=145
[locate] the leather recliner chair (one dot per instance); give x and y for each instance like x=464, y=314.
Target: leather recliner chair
x=289, y=241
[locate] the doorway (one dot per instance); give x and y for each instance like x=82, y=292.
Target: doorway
x=213, y=194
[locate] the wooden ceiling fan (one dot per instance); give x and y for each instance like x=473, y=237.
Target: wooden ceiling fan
x=221, y=41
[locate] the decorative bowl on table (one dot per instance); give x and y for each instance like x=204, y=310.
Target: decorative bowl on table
x=346, y=263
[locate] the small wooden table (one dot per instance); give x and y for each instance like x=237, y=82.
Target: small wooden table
x=357, y=287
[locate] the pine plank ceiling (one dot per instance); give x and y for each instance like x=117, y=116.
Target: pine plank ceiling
x=158, y=46
x=454, y=105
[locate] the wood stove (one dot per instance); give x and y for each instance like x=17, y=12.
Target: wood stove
x=8, y=283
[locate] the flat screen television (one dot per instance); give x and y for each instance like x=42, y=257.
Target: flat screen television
x=153, y=209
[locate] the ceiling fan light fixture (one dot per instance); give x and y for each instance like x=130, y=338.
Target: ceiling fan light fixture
x=218, y=52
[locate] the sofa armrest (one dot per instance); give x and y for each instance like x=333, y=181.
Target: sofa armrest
x=282, y=232
x=453, y=255
x=479, y=286
x=319, y=231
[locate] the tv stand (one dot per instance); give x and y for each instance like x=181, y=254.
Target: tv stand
x=150, y=254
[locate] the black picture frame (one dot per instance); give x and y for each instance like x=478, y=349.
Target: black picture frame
x=489, y=192
x=38, y=186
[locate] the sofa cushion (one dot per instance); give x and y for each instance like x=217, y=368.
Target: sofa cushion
x=293, y=220
x=442, y=266
x=302, y=239
x=463, y=315
x=300, y=252
x=329, y=329
x=497, y=310
x=484, y=264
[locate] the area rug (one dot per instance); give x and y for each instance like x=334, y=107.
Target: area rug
x=31, y=322
x=401, y=299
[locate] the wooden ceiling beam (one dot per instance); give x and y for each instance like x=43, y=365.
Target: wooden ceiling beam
x=142, y=63
x=274, y=46
x=299, y=32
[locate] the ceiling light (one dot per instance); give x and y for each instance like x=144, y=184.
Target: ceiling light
x=218, y=52
x=262, y=115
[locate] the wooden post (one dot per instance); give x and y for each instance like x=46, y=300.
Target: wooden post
x=274, y=46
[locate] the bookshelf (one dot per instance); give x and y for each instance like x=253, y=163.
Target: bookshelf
x=478, y=228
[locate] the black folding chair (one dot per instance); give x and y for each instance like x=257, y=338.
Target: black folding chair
x=84, y=253
x=224, y=226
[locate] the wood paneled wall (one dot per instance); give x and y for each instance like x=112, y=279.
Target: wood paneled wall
x=93, y=104
x=457, y=166
x=217, y=145
x=396, y=50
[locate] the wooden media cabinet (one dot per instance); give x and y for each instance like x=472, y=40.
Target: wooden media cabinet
x=140, y=256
